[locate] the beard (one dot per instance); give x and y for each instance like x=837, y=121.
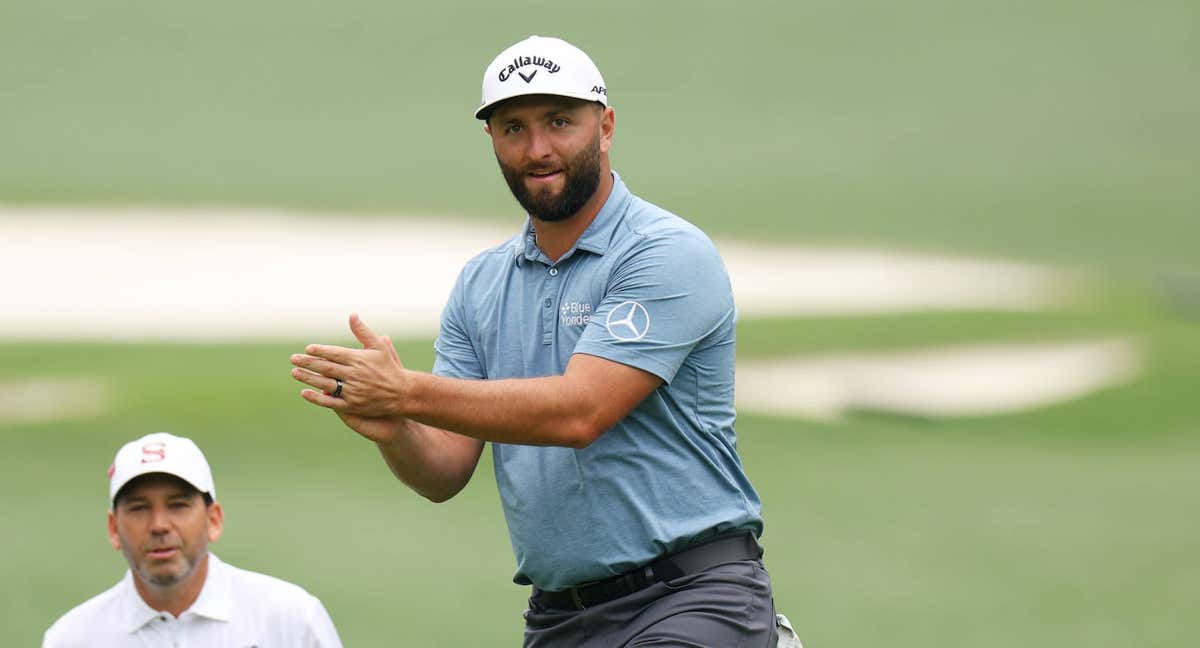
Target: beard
x=164, y=575
x=582, y=176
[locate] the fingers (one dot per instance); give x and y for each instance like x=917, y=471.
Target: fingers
x=323, y=399
x=323, y=383
x=317, y=365
x=363, y=332
x=340, y=355
x=372, y=370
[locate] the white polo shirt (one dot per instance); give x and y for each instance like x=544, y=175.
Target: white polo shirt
x=236, y=609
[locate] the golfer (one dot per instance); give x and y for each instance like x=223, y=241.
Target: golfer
x=594, y=350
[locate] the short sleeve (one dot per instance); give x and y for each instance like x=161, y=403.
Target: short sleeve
x=664, y=297
x=320, y=632
x=52, y=639
x=455, y=353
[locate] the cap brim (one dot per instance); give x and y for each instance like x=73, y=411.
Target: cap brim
x=486, y=109
x=115, y=489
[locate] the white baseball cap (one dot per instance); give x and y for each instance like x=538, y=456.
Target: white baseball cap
x=541, y=65
x=160, y=453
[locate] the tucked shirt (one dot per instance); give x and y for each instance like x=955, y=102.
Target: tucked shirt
x=236, y=609
x=644, y=288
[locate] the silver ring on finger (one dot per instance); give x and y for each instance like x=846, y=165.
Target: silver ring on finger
x=337, y=390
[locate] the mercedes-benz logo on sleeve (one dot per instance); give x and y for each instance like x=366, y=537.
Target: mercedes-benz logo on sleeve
x=628, y=321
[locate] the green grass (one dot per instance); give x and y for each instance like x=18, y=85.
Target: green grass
x=958, y=534
x=1068, y=525
x=1040, y=130
x=1035, y=129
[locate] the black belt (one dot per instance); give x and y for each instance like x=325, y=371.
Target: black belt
x=725, y=548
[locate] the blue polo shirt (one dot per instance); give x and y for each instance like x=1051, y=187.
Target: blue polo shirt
x=644, y=288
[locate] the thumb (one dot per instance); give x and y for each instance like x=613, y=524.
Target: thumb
x=363, y=332
x=386, y=343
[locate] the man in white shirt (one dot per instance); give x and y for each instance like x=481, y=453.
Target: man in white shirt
x=176, y=594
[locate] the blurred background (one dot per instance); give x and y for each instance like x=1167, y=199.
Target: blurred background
x=1057, y=136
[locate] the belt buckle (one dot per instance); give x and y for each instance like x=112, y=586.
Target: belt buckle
x=574, y=592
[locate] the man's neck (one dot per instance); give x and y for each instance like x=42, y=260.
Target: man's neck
x=177, y=598
x=554, y=239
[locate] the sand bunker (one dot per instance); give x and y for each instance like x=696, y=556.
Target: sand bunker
x=941, y=382
x=144, y=274
x=195, y=274
x=53, y=399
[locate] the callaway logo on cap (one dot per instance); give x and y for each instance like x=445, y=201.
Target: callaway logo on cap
x=160, y=453
x=540, y=65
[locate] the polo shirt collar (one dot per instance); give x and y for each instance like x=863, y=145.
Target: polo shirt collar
x=136, y=612
x=215, y=600
x=216, y=597
x=595, y=238
x=599, y=234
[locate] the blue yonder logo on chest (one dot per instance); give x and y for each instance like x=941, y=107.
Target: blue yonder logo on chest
x=526, y=61
x=574, y=313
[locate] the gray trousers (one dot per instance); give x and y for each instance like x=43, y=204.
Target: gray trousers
x=728, y=606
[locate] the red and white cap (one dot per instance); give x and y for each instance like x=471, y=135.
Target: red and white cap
x=541, y=65
x=160, y=453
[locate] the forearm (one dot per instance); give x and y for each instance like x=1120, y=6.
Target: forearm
x=533, y=411
x=433, y=462
x=379, y=398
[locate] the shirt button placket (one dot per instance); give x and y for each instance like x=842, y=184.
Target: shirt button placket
x=548, y=310
x=175, y=629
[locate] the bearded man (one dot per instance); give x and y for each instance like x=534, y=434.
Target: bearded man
x=595, y=351
x=164, y=514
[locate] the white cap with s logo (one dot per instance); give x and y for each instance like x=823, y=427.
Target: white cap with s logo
x=541, y=65
x=160, y=453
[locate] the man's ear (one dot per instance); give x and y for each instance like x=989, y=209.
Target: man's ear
x=216, y=521
x=113, y=538
x=487, y=128
x=608, y=125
